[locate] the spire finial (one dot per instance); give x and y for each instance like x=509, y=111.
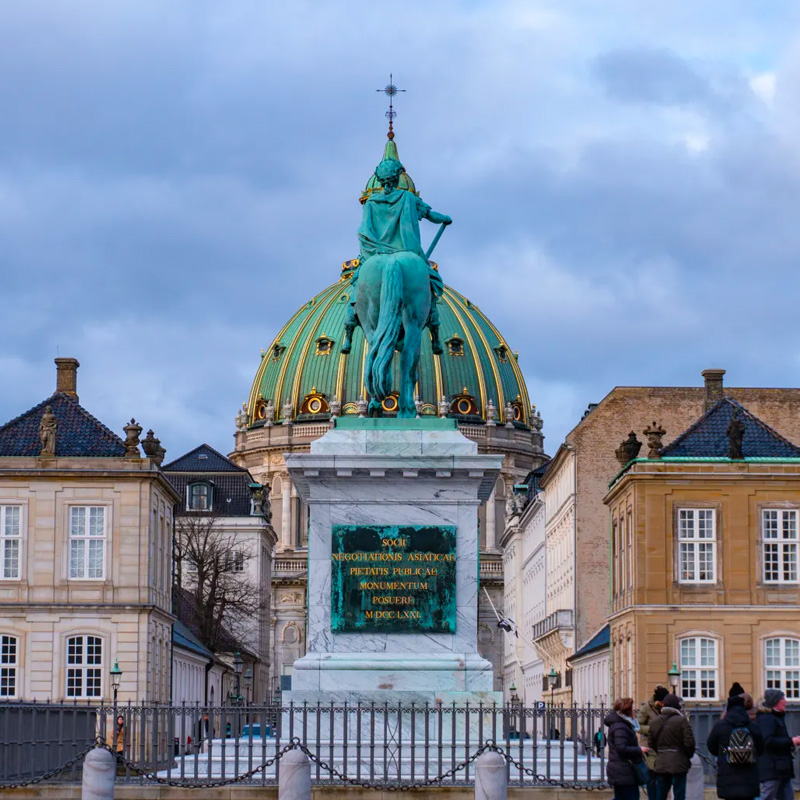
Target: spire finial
x=390, y=90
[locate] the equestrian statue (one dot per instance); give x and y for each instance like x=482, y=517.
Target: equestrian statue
x=394, y=291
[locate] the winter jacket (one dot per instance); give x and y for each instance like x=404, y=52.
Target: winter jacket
x=672, y=739
x=623, y=751
x=777, y=762
x=735, y=781
x=648, y=713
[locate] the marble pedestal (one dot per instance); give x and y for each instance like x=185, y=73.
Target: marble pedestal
x=393, y=472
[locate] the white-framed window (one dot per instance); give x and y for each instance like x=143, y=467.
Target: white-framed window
x=10, y=541
x=199, y=497
x=697, y=545
x=87, y=542
x=782, y=665
x=9, y=663
x=84, y=666
x=699, y=668
x=235, y=561
x=779, y=543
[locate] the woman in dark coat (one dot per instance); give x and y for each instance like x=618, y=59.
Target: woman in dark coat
x=735, y=781
x=623, y=750
x=672, y=739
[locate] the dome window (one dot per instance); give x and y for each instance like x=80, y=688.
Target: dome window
x=199, y=497
x=324, y=346
x=502, y=353
x=277, y=351
x=314, y=403
x=391, y=404
x=455, y=346
x=464, y=405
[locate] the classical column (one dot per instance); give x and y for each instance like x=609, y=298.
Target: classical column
x=286, y=512
x=491, y=533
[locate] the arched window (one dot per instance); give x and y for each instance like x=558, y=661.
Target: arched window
x=9, y=662
x=84, y=666
x=782, y=666
x=199, y=497
x=699, y=668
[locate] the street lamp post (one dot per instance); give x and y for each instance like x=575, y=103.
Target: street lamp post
x=674, y=677
x=116, y=677
x=248, y=683
x=237, y=671
x=552, y=680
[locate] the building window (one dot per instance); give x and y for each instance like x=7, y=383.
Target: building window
x=9, y=650
x=779, y=535
x=199, y=497
x=697, y=545
x=84, y=666
x=10, y=540
x=87, y=542
x=782, y=662
x=235, y=561
x=699, y=668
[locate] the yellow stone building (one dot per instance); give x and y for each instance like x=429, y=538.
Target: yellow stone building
x=704, y=561
x=85, y=555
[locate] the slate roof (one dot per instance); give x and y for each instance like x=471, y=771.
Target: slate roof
x=183, y=637
x=230, y=484
x=203, y=459
x=78, y=433
x=599, y=641
x=708, y=438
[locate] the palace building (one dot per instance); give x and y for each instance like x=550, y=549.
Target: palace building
x=303, y=381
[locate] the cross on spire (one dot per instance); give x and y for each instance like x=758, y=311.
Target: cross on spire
x=390, y=90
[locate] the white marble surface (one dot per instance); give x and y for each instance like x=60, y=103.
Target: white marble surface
x=393, y=477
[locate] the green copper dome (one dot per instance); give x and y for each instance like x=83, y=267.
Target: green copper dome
x=303, y=365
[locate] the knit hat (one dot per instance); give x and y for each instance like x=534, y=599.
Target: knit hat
x=736, y=689
x=671, y=701
x=660, y=693
x=772, y=697
x=736, y=700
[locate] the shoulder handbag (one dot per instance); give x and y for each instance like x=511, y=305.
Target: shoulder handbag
x=641, y=772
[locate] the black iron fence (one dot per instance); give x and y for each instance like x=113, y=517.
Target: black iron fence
x=366, y=744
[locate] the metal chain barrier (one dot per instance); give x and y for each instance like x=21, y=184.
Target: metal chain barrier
x=543, y=779
x=51, y=774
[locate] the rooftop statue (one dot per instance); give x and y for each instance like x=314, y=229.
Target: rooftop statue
x=394, y=292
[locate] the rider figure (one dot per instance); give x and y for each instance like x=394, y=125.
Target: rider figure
x=402, y=234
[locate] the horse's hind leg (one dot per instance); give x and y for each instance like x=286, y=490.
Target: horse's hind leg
x=409, y=369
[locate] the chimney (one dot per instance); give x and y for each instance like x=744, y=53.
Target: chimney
x=67, y=377
x=714, y=390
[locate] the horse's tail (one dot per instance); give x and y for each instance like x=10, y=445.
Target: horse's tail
x=384, y=340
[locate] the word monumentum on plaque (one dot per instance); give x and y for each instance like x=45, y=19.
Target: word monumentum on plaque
x=393, y=579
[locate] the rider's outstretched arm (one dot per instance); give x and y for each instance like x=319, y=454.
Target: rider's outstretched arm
x=437, y=218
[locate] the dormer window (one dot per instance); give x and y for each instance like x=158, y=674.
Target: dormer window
x=502, y=353
x=277, y=351
x=455, y=346
x=199, y=497
x=324, y=346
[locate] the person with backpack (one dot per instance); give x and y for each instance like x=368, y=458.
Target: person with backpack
x=672, y=740
x=626, y=770
x=776, y=769
x=737, y=743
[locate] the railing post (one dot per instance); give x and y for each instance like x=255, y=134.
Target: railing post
x=491, y=781
x=295, y=778
x=99, y=771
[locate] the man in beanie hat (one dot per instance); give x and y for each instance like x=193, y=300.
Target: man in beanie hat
x=775, y=769
x=736, y=689
x=672, y=740
x=649, y=712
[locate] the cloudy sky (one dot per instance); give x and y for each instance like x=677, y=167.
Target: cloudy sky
x=178, y=177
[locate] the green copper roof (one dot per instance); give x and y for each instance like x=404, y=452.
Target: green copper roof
x=304, y=359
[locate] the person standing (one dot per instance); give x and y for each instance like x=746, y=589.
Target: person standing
x=672, y=740
x=648, y=712
x=776, y=769
x=737, y=743
x=625, y=770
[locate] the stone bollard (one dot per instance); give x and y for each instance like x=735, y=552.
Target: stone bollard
x=99, y=772
x=295, y=778
x=694, y=780
x=491, y=781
